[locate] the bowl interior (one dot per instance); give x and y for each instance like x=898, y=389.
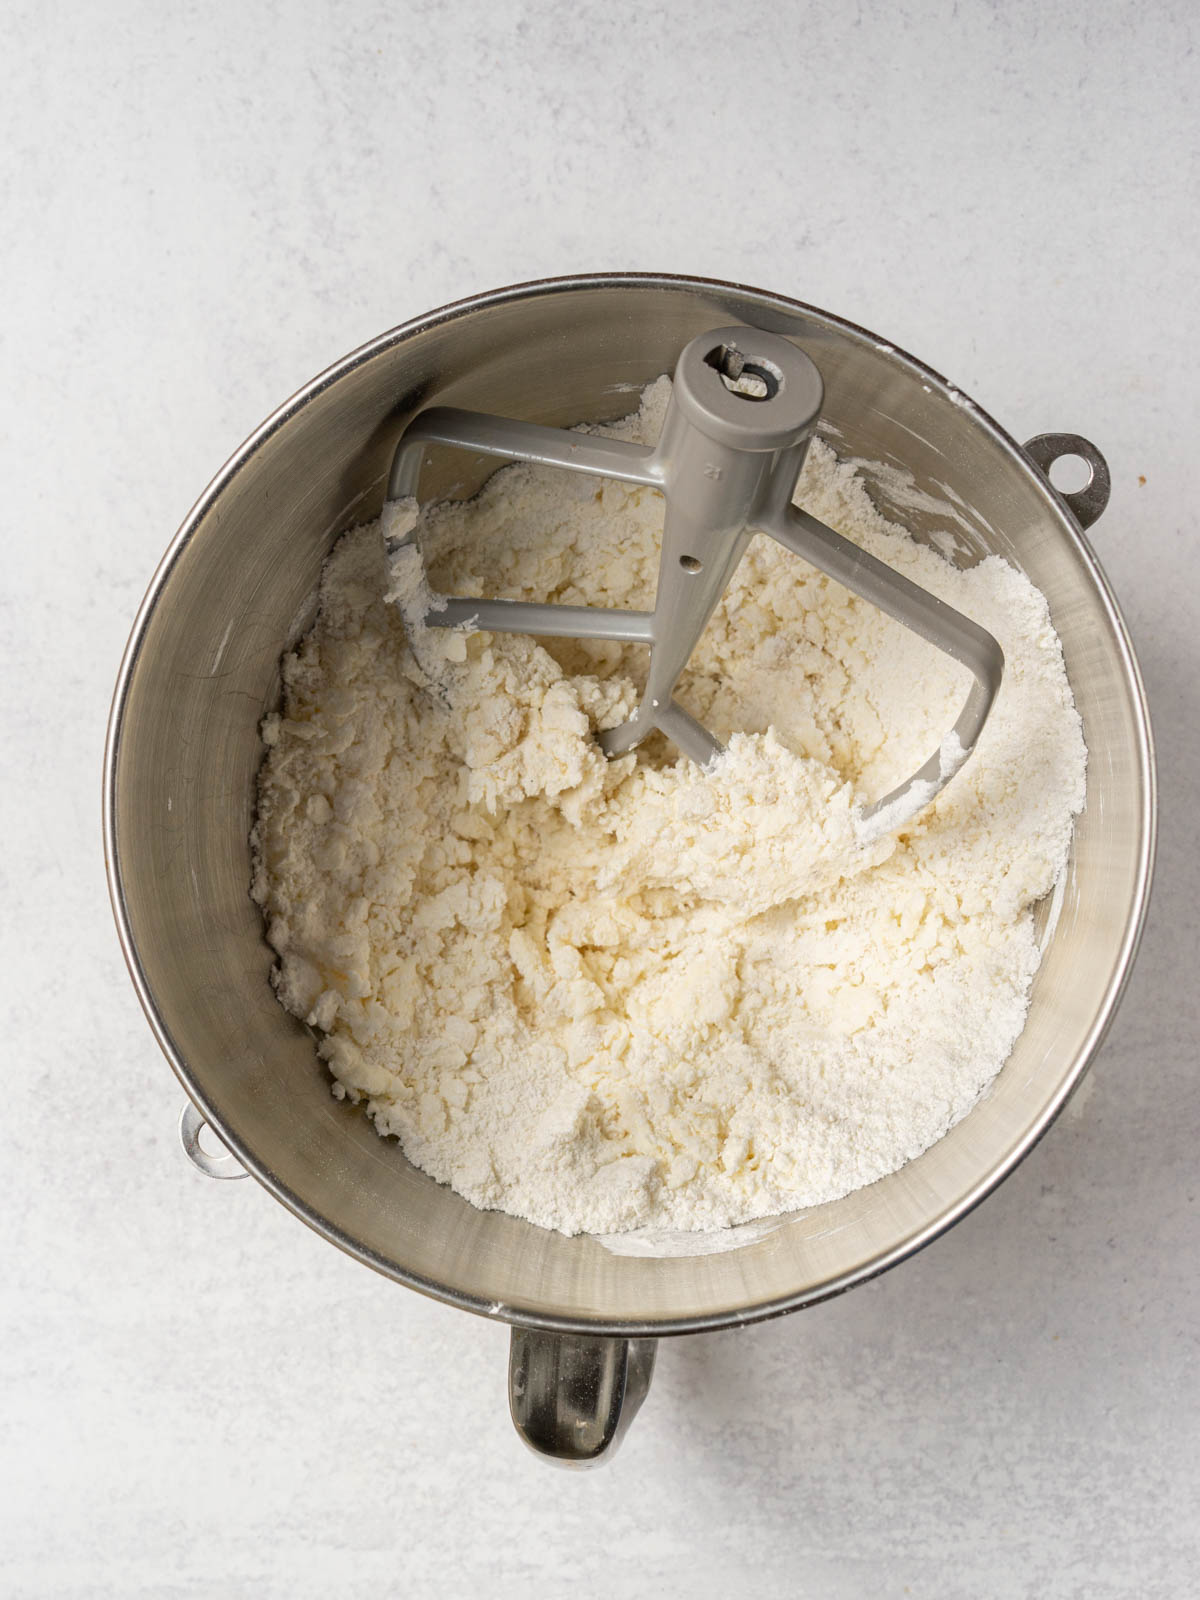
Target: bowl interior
x=238, y=586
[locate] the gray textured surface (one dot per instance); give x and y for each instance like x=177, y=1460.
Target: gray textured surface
x=202, y=206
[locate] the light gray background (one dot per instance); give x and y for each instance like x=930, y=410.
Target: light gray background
x=203, y=205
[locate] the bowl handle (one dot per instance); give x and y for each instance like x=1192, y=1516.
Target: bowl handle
x=1085, y=504
x=212, y=1163
x=572, y=1396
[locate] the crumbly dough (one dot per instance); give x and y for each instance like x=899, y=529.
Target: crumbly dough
x=607, y=995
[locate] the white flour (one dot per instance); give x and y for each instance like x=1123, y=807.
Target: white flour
x=606, y=995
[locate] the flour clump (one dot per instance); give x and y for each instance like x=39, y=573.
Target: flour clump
x=605, y=995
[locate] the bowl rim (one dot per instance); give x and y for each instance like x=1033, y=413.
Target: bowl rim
x=531, y=1317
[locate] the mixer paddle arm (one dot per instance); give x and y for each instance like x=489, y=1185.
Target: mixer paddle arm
x=925, y=614
x=518, y=441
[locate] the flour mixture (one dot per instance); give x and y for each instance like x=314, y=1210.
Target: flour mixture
x=603, y=995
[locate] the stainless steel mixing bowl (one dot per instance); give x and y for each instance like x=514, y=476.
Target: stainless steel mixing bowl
x=202, y=667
